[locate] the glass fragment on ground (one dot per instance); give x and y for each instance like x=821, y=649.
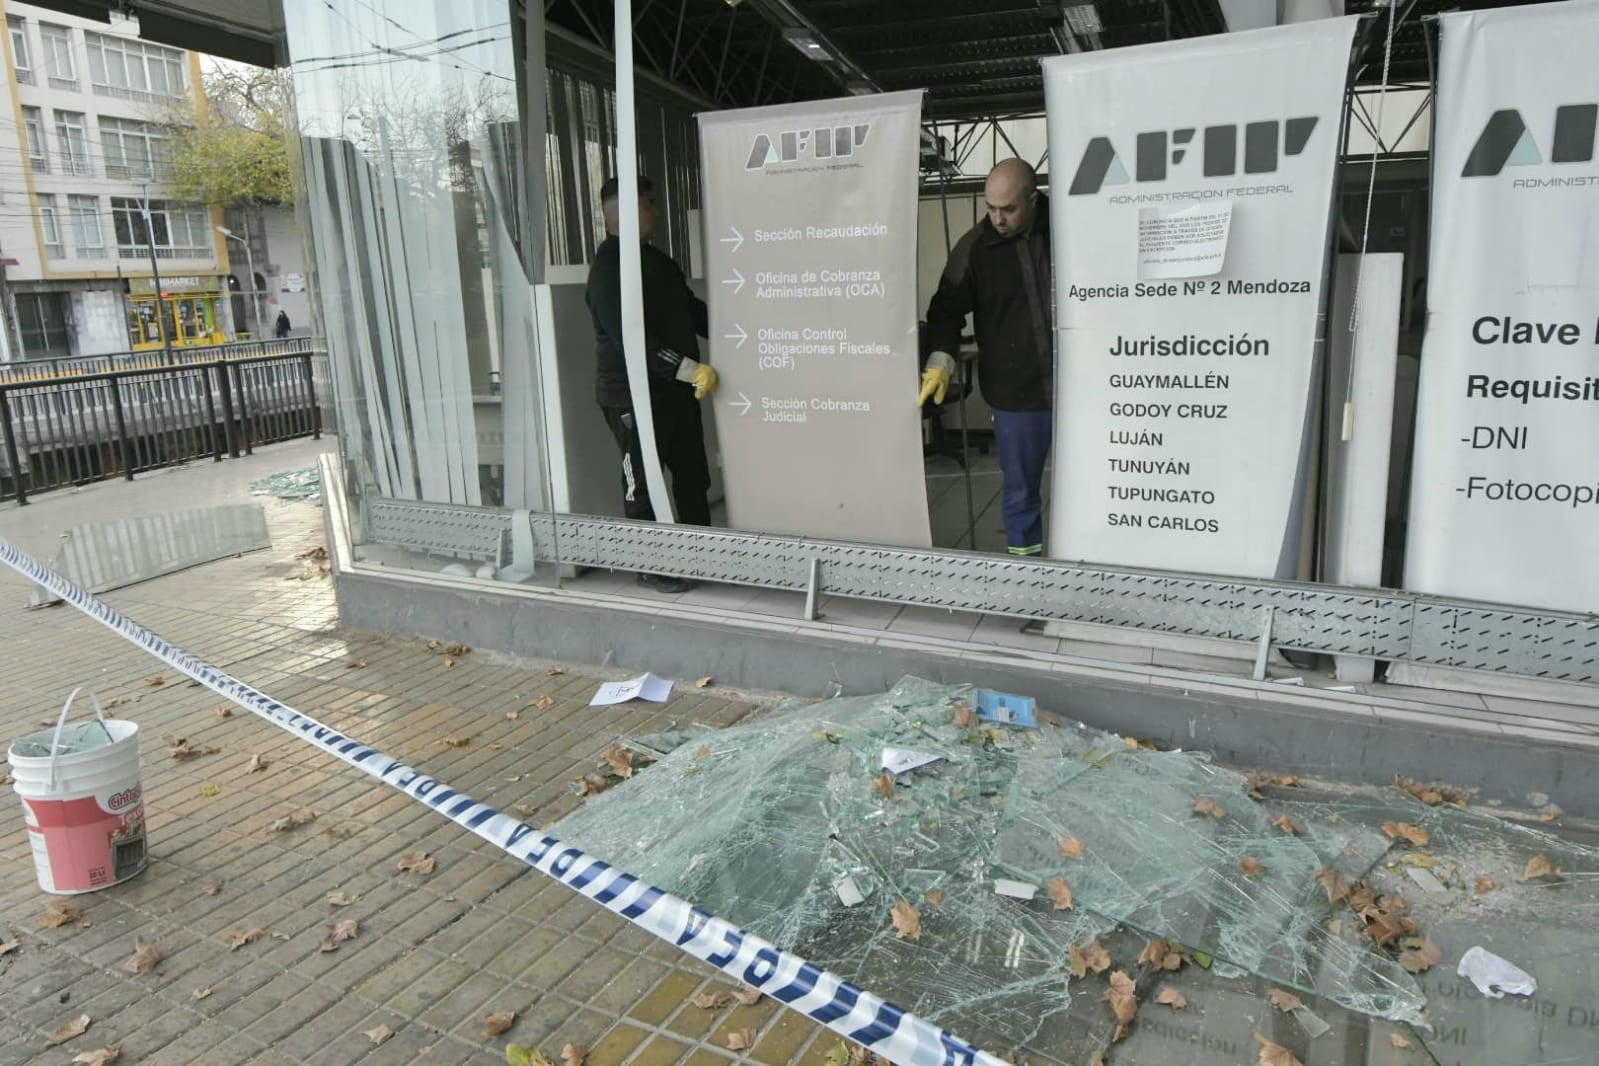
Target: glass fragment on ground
x=772, y=823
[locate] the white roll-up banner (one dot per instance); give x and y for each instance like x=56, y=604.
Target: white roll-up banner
x=1504, y=502
x=1191, y=185
x=810, y=221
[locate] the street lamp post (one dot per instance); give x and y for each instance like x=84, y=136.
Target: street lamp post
x=255, y=292
x=155, y=273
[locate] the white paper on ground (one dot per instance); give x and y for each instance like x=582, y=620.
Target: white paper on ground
x=1015, y=889
x=848, y=893
x=649, y=687
x=898, y=760
x=1494, y=976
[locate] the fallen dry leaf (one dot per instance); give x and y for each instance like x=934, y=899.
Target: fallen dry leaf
x=1413, y=833
x=456, y=742
x=155, y=682
x=342, y=899
x=592, y=784
x=511, y=716
x=9, y=946
x=935, y=896
x=1398, y=1041
x=1206, y=805
x=1096, y=1059
x=498, y=1022
x=709, y=1001
x=1284, y=1001
x=213, y=888
x=224, y=711
x=256, y=765
x=907, y=921
x=1161, y=955
x=1487, y=884
x=741, y=1039
x=1070, y=847
x=1060, y=892
x=703, y=682
x=76, y=1027
x=103, y=1056
x=1094, y=958
x=378, y=1035
x=525, y=810
x=1287, y=825
x=1251, y=866
x=1540, y=866
x=555, y=671
x=1274, y=1054
x=1431, y=795
x=1333, y=882
x=448, y=662
x=58, y=914
x=1122, y=1002
x=621, y=760
x=293, y=821
x=965, y=718
x=457, y=650
x=704, y=752
x=543, y=703
x=144, y=958
x=1419, y=955
x=182, y=752
x=201, y=992
x=338, y=933
x=417, y=862
x=210, y=791
x=248, y=936
x=1172, y=998
x=883, y=785
x=355, y=664
x=573, y=1055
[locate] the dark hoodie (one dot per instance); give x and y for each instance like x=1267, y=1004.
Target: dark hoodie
x=1007, y=286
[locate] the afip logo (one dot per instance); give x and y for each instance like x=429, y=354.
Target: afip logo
x=1265, y=145
x=837, y=142
x=1505, y=141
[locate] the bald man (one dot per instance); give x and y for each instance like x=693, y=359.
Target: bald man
x=999, y=273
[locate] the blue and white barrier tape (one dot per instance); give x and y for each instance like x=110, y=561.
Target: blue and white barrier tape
x=902, y=1038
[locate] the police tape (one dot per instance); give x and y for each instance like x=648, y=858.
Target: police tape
x=870, y=1020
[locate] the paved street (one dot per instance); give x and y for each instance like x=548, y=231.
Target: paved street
x=433, y=954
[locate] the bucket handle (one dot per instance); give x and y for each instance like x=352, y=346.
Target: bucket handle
x=61, y=723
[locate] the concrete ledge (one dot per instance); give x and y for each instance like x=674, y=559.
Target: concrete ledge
x=1350, y=736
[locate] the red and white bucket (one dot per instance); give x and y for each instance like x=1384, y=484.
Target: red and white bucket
x=82, y=800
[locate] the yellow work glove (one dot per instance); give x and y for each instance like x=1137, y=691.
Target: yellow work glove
x=704, y=381
x=936, y=378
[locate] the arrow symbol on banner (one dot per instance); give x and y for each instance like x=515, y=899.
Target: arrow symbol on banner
x=744, y=406
x=736, y=240
x=740, y=336
x=737, y=280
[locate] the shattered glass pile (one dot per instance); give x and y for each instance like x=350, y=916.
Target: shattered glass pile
x=772, y=823
x=290, y=485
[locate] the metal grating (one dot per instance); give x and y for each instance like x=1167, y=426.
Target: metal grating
x=1320, y=618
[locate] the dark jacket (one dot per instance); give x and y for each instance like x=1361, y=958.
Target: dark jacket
x=673, y=318
x=1006, y=284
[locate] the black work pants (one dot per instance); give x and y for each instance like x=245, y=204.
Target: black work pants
x=680, y=443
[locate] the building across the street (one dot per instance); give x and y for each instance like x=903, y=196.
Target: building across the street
x=85, y=222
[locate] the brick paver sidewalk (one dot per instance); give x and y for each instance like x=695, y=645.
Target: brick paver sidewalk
x=434, y=954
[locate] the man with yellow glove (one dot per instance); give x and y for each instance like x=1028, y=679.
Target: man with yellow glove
x=673, y=318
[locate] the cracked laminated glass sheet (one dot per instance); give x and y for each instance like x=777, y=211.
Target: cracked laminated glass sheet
x=762, y=822
x=1175, y=847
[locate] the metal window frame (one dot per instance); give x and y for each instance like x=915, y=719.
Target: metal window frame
x=1380, y=623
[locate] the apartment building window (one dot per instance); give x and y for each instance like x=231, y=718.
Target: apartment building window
x=50, y=226
x=60, y=65
x=88, y=239
x=33, y=127
x=21, y=58
x=74, y=137
x=134, y=149
x=134, y=70
x=180, y=231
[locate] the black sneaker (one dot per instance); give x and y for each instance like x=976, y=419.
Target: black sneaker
x=666, y=586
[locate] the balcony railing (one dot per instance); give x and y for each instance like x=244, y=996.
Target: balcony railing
x=142, y=251
x=63, y=83
x=24, y=76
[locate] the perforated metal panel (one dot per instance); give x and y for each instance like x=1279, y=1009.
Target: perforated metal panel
x=1323, y=618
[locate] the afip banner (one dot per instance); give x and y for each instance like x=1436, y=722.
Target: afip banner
x=1191, y=188
x=1504, y=501
x=810, y=226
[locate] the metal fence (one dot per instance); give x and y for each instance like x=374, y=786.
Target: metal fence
x=48, y=369
x=83, y=427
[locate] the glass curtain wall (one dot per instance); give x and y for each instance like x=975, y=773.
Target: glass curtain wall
x=408, y=116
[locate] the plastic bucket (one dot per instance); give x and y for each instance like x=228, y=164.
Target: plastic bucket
x=82, y=801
